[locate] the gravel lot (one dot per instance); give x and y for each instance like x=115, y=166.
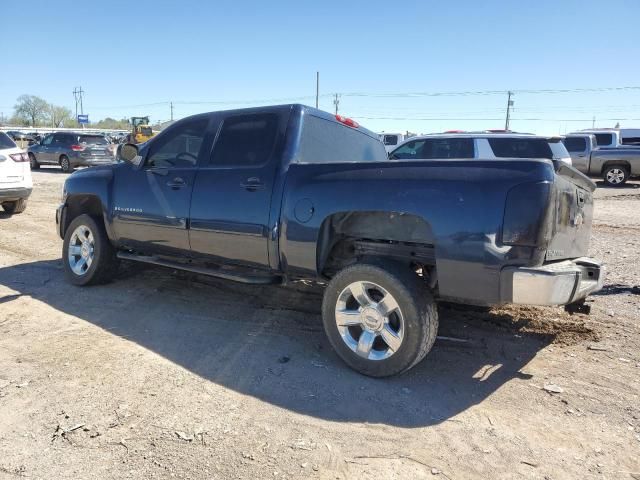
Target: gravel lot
x=165, y=375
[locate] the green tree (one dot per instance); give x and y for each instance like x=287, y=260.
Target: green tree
x=32, y=109
x=60, y=116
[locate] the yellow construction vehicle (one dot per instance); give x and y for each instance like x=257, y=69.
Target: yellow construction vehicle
x=140, y=131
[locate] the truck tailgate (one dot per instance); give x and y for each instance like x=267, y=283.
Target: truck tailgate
x=572, y=206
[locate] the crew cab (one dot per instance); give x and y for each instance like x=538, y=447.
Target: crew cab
x=614, y=165
x=276, y=194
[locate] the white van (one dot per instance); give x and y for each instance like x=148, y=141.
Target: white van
x=391, y=140
x=15, y=176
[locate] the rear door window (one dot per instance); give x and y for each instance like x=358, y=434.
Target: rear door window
x=520, y=148
x=245, y=140
x=448, y=148
x=575, y=144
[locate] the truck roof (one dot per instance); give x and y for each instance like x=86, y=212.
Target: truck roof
x=305, y=110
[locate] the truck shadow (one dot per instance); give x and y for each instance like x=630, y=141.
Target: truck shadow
x=268, y=342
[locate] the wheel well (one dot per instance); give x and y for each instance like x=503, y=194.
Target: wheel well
x=60, y=158
x=616, y=163
x=348, y=237
x=82, y=204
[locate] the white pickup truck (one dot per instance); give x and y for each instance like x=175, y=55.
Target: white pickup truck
x=613, y=137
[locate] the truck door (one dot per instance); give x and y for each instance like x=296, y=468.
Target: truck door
x=231, y=199
x=150, y=205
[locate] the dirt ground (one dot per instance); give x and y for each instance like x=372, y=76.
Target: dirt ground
x=164, y=375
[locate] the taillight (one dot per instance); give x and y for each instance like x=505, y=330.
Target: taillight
x=349, y=122
x=77, y=148
x=19, y=157
x=525, y=215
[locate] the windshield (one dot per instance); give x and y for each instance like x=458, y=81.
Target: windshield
x=5, y=141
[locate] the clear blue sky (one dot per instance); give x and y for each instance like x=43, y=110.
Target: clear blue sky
x=129, y=54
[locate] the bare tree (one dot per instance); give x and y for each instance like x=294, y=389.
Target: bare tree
x=31, y=108
x=59, y=116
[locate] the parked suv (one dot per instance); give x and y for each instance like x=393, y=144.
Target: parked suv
x=481, y=145
x=71, y=150
x=15, y=176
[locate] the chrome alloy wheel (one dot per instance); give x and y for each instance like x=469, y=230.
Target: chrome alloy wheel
x=369, y=320
x=615, y=176
x=81, y=250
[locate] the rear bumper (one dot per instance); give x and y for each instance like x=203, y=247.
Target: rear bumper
x=91, y=161
x=559, y=283
x=13, y=194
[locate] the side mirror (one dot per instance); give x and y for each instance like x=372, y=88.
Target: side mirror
x=129, y=153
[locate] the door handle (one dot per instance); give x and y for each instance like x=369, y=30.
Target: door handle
x=252, y=184
x=176, y=183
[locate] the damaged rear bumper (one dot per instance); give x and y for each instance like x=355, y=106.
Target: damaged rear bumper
x=558, y=283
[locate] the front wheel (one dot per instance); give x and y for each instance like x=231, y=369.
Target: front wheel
x=381, y=319
x=87, y=255
x=616, y=175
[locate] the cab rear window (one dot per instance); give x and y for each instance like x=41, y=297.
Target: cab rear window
x=325, y=141
x=604, y=139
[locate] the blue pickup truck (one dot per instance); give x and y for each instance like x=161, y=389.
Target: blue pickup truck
x=275, y=194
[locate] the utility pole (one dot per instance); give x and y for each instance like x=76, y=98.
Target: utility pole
x=336, y=101
x=593, y=122
x=77, y=95
x=509, y=105
x=317, y=87
x=172, y=111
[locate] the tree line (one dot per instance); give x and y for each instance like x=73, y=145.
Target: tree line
x=34, y=111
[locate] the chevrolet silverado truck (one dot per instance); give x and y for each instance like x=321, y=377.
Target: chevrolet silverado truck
x=276, y=194
x=614, y=165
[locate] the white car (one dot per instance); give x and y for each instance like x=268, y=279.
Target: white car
x=15, y=176
x=483, y=145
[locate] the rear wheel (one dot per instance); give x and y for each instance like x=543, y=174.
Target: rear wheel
x=616, y=175
x=34, y=163
x=65, y=164
x=380, y=319
x=88, y=256
x=17, y=206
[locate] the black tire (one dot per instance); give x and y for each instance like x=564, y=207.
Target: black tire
x=415, y=302
x=65, y=164
x=17, y=206
x=34, y=163
x=616, y=175
x=104, y=265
